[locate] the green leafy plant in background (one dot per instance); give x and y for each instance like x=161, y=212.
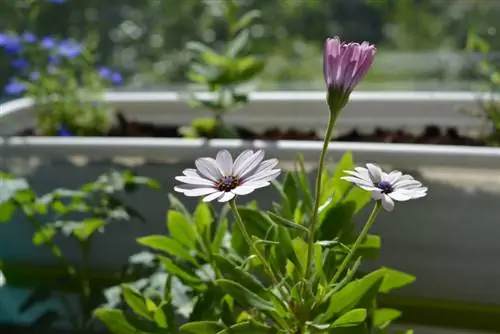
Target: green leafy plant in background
x=60, y=74
x=488, y=109
x=76, y=214
x=226, y=74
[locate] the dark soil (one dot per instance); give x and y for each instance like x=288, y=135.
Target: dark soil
x=431, y=134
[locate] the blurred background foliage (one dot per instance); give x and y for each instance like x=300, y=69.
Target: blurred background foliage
x=421, y=42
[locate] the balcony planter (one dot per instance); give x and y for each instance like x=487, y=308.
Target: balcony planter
x=447, y=240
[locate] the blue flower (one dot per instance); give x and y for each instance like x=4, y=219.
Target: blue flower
x=69, y=49
x=63, y=131
x=14, y=87
x=3, y=38
x=48, y=43
x=58, y=2
x=11, y=44
x=20, y=64
x=34, y=76
x=116, y=78
x=29, y=37
x=104, y=72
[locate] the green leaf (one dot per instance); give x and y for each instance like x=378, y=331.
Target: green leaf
x=44, y=234
x=354, y=295
x=232, y=272
x=291, y=191
x=256, y=222
x=238, y=43
x=182, y=274
x=394, y=279
x=219, y=235
x=351, y=318
x=7, y=210
x=201, y=327
x=303, y=180
x=114, y=320
x=136, y=302
x=246, y=20
x=384, y=316
x=287, y=223
x=339, y=186
x=300, y=248
x=243, y=296
x=202, y=217
x=176, y=204
x=248, y=328
x=180, y=228
x=167, y=245
x=164, y=317
x=88, y=227
x=336, y=221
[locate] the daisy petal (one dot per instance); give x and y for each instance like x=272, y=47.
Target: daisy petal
x=200, y=191
x=225, y=162
x=375, y=173
x=208, y=168
x=257, y=184
x=387, y=203
x=399, y=196
x=183, y=187
x=191, y=172
x=266, y=175
x=240, y=160
x=194, y=180
x=243, y=190
x=213, y=196
x=250, y=164
x=227, y=197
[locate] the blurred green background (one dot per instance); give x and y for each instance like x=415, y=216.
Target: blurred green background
x=420, y=42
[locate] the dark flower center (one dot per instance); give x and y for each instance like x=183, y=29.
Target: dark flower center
x=385, y=186
x=227, y=183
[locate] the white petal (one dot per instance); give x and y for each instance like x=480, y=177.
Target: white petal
x=183, y=187
x=266, y=175
x=240, y=160
x=377, y=195
x=266, y=165
x=191, y=172
x=387, y=203
x=227, y=197
x=194, y=180
x=400, y=196
x=358, y=181
x=250, y=164
x=200, y=191
x=257, y=184
x=208, y=168
x=213, y=196
x=394, y=176
x=243, y=190
x=408, y=184
x=375, y=173
x=225, y=162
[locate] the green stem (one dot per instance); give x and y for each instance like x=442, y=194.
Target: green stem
x=248, y=240
x=361, y=237
x=314, y=219
x=85, y=281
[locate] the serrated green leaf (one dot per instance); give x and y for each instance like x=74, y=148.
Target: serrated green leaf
x=351, y=318
x=114, y=320
x=243, y=296
x=136, y=302
x=287, y=223
x=201, y=327
x=234, y=273
x=180, y=229
x=394, y=279
x=384, y=316
x=167, y=245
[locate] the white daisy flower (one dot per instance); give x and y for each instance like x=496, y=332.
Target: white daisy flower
x=387, y=188
x=223, y=179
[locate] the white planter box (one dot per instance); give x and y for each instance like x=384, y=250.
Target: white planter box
x=448, y=239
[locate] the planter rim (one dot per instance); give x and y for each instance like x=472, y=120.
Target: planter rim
x=400, y=155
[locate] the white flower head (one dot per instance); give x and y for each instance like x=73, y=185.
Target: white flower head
x=386, y=187
x=223, y=179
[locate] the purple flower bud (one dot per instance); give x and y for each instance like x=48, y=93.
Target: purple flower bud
x=116, y=78
x=11, y=44
x=69, y=49
x=63, y=131
x=58, y=2
x=344, y=65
